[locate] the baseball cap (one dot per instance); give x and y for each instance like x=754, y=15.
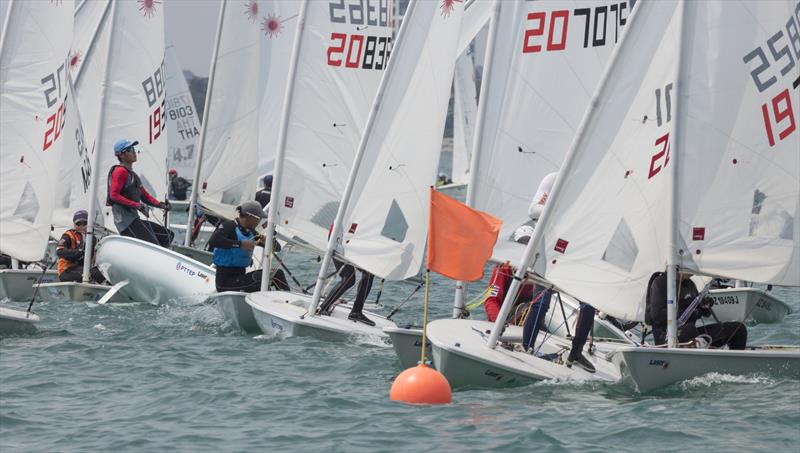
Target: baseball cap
x=123, y=144
x=80, y=215
x=252, y=208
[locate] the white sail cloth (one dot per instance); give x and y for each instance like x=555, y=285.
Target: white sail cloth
x=183, y=123
x=465, y=106
x=33, y=94
x=134, y=103
x=547, y=59
x=386, y=222
x=606, y=230
x=340, y=62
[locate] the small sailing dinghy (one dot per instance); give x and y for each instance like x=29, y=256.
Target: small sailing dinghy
x=382, y=202
x=531, y=101
x=35, y=40
x=717, y=196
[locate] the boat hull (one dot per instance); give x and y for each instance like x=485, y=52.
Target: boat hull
x=653, y=368
x=460, y=353
x=78, y=292
x=201, y=256
x=407, y=344
x=748, y=305
x=17, y=321
x=17, y=284
x=155, y=274
x=285, y=314
x=234, y=309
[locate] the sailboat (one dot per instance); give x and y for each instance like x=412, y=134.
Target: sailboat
x=710, y=192
x=34, y=47
x=384, y=203
x=324, y=107
x=532, y=98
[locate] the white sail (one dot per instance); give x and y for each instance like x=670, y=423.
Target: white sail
x=33, y=89
x=341, y=59
x=75, y=171
x=282, y=19
x=547, y=60
x=465, y=107
x=739, y=165
x=89, y=19
x=386, y=222
x=606, y=226
x=230, y=146
x=183, y=124
x=134, y=102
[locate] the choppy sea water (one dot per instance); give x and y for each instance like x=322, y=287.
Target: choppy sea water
x=176, y=377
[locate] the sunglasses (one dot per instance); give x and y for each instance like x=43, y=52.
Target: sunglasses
x=80, y=223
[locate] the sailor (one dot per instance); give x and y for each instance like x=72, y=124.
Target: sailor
x=127, y=195
x=71, y=251
x=265, y=193
x=347, y=276
x=232, y=244
x=177, y=185
x=731, y=334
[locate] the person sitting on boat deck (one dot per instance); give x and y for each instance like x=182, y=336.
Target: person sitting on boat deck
x=347, y=276
x=127, y=195
x=232, y=244
x=265, y=193
x=733, y=334
x=71, y=251
x=177, y=185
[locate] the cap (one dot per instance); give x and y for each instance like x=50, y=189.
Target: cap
x=172, y=171
x=80, y=215
x=268, y=181
x=122, y=145
x=252, y=208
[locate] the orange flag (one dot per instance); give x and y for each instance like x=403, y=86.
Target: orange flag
x=460, y=239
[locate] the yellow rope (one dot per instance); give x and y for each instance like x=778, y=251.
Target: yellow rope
x=425, y=316
x=479, y=300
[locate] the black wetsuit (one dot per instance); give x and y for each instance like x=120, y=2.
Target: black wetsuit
x=734, y=334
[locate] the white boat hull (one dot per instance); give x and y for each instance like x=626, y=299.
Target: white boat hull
x=17, y=321
x=17, y=284
x=285, y=314
x=201, y=256
x=460, y=353
x=234, y=309
x=748, y=305
x=407, y=344
x=78, y=292
x=652, y=368
x=155, y=274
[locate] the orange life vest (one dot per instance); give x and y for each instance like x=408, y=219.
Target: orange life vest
x=76, y=240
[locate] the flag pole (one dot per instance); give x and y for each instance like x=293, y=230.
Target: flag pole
x=425, y=316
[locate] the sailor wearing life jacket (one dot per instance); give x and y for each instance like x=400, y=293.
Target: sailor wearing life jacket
x=232, y=244
x=70, y=252
x=127, y=195
x=265, y=194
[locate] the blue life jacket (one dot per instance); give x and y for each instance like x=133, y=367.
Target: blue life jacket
x=235, y=257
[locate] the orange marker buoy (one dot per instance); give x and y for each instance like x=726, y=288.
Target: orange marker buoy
x=421, y=385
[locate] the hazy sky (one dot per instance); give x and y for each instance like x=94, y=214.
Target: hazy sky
x=191, y=25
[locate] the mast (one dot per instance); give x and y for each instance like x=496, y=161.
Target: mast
x=673, y=260
x=5, y=26
x=460, y=295
x=277, y=176
x=351, y=179
x=87, y=263
x=566, y=169
x=203, y=128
